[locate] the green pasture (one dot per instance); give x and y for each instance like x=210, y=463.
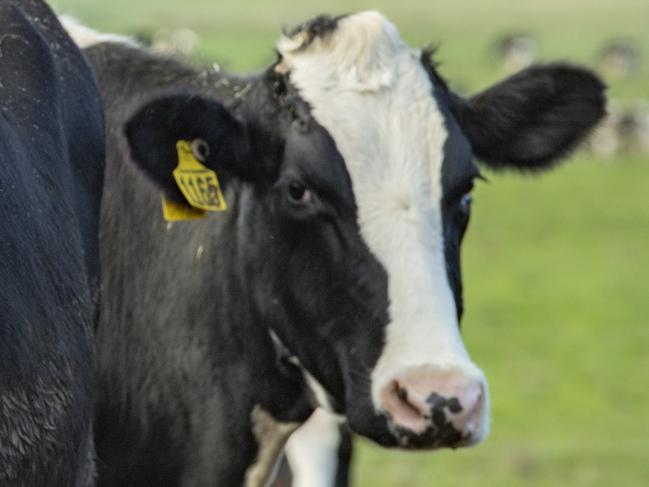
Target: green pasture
x=556, y=267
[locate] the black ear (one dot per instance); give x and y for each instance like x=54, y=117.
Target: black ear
x=535, y=117
x=155, y=129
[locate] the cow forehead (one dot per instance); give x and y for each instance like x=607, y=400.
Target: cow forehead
x=369, y=90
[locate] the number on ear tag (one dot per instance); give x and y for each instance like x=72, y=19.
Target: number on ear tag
x=199, y=185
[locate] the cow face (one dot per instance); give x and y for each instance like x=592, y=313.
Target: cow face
x=352, y=184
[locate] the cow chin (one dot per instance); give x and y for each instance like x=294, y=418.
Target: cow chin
x=373, y=426
x=439, y=434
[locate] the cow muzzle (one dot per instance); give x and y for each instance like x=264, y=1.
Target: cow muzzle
x=429, y=407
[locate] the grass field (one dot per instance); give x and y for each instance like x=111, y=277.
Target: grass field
x=556, y=268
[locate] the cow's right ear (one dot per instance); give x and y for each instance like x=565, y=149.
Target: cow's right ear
x=220, y=141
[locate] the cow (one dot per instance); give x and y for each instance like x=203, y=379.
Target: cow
x=51, y=178
x=328, y=273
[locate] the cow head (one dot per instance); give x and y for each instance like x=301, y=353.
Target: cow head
x=350, y=167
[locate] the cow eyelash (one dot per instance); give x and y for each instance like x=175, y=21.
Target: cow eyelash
x=460, y=192
x=466, y=189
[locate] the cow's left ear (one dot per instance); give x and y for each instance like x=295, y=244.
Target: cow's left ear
x=534, y=118
x=222, y=142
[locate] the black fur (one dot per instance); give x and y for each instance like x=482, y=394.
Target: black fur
x=51, y=169
x=345, y=456
x=533, y=119
x=458, y=176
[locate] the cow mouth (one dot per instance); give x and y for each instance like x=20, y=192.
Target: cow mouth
x=436, y=436
x=440, y=433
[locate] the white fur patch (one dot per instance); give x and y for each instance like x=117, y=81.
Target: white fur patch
x=85, y=36
x=321, y=395
x=312, y=451
x=369, y=90
x=271, y=437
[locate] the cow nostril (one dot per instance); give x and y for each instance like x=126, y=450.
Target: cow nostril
x=401, y=392
x=402, y=395
x=403, y=410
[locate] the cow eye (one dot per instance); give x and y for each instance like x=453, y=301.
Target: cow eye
x=465, y=203
x=463, y=213
x=299, y=193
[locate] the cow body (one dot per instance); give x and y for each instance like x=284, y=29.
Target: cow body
x=332, y=279
x=51, y=168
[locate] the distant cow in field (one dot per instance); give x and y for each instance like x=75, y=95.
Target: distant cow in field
x=516, y=50
x=621, y=57
x=330, y=274
x=625, y=129
x=51, y=169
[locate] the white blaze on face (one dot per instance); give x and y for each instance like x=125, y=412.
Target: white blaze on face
x=369, y=90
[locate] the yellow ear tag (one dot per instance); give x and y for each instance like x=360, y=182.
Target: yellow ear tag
x=178, y=212
x=199, y=185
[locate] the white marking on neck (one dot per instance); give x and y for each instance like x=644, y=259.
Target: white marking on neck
x=369, y=90
x=319, y=392
x=321, y=395
x=271, y=436
x=312, y=451
x=86, y=37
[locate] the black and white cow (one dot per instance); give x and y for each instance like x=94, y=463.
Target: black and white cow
x=333, y=277
x=51, y=170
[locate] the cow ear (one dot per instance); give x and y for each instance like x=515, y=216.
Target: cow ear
x=534, y=118
x=220, y=141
